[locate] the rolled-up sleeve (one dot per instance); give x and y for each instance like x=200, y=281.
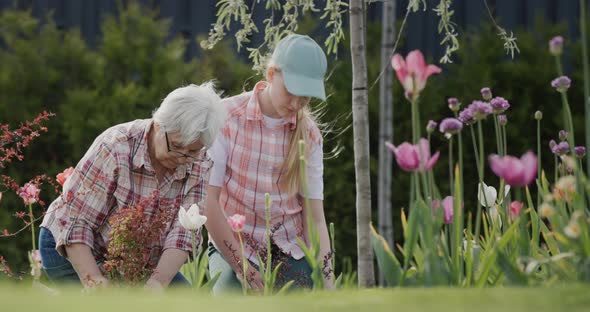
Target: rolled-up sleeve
x=88, y=194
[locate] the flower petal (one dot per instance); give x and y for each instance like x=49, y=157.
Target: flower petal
x=529, y=161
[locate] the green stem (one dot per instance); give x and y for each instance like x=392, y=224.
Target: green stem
x=539, y=160
x=567, y=116
x=558, y=65
x=451, y=166
x=481, y=150
x=498, y=136
x=244, y=266
x=505, y=149
x=556, y=176
x=415, y=127
x=32, y=226
x=477, y=158
x=461, y=165
x=195, y=263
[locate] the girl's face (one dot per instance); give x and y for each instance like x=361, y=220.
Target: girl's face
x=284, y=103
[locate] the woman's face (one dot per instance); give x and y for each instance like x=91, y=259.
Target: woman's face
x=170, y=153
x=284, y=103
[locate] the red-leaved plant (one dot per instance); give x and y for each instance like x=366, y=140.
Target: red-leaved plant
x=133, y=249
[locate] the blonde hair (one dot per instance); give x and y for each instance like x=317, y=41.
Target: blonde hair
x=291, y=179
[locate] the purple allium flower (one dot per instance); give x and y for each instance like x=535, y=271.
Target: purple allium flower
x=450, y=126
x=499, y=105
x=580, y=151
x=556, y=45
x=552, y=144
x=480, y=109
x=454, y=104
x=502, y=119
x=431, y=126
x=563, y=135
x=538, y=115
x=486, y=93
x=561, y=148
x=562, y=83
x=467, y=116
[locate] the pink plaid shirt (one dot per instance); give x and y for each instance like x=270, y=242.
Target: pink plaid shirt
x=250, y=160
x=115, y=172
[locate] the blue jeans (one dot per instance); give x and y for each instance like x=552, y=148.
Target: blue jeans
x=59, y=269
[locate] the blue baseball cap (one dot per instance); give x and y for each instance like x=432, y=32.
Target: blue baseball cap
x=303, y=65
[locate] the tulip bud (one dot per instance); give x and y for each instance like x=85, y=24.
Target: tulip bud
x=538, y=115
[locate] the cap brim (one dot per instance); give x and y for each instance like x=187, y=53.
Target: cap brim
x=304, y=86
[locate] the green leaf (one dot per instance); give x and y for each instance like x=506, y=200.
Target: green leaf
x=389, y=266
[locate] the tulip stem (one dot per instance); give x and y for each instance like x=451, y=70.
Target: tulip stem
x=477, y=161
x=195, y=263
x=481, y=150
x=244, y=266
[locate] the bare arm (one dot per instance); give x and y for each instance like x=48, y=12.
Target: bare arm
x=168, y=266
x=222, y=235
x=80, y=255
x=319, y=221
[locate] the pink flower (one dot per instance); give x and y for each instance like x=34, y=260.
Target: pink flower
x=413, y=72
x=408, y=156
x=515, y=208
x=236, y=222
x=0, y=196
x=29, y=193
x=63, y=177
x=448, y=209
x=516, y=172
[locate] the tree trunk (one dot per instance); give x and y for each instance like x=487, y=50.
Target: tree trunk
x=360, y=124
x=386, y=125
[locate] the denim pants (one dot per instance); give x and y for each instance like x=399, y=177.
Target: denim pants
x=59, y=269
x=297, y=271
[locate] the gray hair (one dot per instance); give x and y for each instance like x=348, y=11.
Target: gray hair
x=195, y=111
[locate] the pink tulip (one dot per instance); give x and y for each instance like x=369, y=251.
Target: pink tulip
x=408, y=156
x=448, y=210
x=0, y=196
x=515, y=208
x=63, y=177
x=236, y=222
x=413, y=72
x=516, y=172
x=29, y=193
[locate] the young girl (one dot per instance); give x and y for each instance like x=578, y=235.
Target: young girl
x=257, y=152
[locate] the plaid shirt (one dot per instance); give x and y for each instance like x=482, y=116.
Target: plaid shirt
x=254, y=155
x=117, y=172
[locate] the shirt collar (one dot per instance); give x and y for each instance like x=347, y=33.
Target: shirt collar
x=253, y=111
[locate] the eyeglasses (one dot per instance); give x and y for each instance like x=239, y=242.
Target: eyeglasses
x=198, y=156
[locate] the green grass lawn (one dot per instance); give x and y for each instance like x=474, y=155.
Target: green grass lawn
x=17, y=297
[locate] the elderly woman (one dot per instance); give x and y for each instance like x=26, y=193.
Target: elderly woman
x=127, y=163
